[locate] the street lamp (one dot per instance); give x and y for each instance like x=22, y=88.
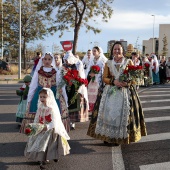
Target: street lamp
x=153, y=44
x=2, y=28
x=19, y=59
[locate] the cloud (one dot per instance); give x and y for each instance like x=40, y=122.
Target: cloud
x=131, y=20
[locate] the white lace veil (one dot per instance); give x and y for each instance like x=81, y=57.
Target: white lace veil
x=155, y=60
x=56, y=117
x=40, y=63
x=102, y=54
x=70, y=58
x=86, y=57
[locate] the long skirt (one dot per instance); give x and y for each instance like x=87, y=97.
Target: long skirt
x=155, y=77
x=20, y=114
x=92, y=94
x=64, y=113
x=135, y=126
x=168, y=72
x=46, y=146
x=78, y=111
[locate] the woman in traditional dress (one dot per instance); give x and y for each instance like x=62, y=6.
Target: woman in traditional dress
x=155, y=69
x=63, y=99
x=120, y=117
x=95, y=80
x=78, y=111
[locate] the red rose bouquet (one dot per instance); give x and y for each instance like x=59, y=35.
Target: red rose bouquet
x=33, y=129
x=147, y=65
x=72, y=78
x=94, y=69
x=131, y=73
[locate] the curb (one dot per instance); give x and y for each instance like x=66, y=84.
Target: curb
x=10, y=82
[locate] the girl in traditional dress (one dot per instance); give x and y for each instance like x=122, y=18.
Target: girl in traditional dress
x=95, y=80
x=60, y=91
x=120, y=117
x=155, y=69
x=51, y=142
x=168, y=69
x=86, y=60
x=23, y=92
x=78, y=111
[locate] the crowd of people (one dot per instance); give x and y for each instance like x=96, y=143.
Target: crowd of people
x=56, y=95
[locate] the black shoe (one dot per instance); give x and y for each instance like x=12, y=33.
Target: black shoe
x=55, y=160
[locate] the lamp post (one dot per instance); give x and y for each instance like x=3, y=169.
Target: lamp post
x=2, y=15
x=153, y=42
x=19, y=58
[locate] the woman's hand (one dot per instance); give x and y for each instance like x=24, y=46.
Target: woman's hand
x=45, y=128
x=120, y=84
x=91, y=74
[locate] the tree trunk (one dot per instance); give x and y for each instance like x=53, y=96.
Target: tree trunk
x=76, y=32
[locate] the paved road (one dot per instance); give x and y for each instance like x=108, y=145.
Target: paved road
x=87, y=153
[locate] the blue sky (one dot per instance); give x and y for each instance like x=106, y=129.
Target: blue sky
x=131, y=20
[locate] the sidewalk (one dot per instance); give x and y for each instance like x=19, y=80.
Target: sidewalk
x=11, y=79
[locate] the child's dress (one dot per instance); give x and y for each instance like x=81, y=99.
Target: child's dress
x=21, y=110
x=47, y=145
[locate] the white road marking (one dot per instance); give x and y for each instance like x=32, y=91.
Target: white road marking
x=155, y=101
x=157, y=166
x=117, y=158
x=154, y=95
x=157, y=119
x=157, y=91
x=156, y=108
x=155, y=137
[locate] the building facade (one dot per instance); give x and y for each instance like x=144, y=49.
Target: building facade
x=164, y=31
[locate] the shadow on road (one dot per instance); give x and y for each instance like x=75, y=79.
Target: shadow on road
x=79, y=148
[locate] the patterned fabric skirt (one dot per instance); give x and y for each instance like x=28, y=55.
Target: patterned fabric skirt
x=46, y=146
x=168, y=73
x=64, y=113
x=136, y=125
x=82, y=115
x=20, y=114
x=92, y=94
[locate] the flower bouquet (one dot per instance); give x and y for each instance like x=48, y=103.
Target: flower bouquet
x=94, y=69
x=72, y=78
x=33, y=129
x=146, y=65
x=131, y=73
